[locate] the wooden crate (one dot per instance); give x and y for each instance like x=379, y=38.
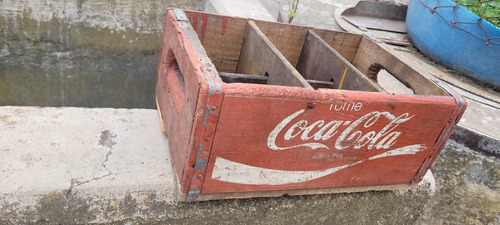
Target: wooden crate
x=254, y=108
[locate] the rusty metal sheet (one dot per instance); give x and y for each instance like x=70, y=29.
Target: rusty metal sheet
x=377, y=15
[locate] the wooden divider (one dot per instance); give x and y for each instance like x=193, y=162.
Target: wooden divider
x=319, y=61
x=246, y=78
x=260, y=57
x=223, y=37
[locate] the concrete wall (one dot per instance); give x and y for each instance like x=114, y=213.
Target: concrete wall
x=92, y=53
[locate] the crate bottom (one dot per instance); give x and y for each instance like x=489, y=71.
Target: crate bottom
x=427, y=182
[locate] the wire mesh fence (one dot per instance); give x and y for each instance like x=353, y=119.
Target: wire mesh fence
x=486, y=10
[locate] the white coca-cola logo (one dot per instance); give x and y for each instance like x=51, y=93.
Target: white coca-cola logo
x=348, y=133
x=374, y=130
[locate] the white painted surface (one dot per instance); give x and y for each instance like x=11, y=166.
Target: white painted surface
x=54, y=149
x=239, y=173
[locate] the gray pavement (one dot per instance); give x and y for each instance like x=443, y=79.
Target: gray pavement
x=80, y=165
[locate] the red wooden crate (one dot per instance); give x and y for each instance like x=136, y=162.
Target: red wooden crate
x=281, y=131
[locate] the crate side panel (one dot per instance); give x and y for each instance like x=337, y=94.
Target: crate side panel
x=180, y=83
x=341, y=140
x=222, y=37
x=371, y=58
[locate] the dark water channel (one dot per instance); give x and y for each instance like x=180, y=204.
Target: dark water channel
x=82, y=78
x=81, y=53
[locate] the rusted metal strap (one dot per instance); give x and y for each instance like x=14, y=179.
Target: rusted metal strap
x=180, y=15
x=461, y=105
x=209, y=125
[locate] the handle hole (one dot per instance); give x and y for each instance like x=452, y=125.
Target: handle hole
x=175, y=79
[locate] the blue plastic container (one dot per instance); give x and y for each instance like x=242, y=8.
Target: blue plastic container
x=453, y=47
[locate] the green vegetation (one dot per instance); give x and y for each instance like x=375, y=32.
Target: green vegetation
x=292, y=10
x=489, y=10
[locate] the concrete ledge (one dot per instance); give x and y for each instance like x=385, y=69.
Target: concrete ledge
x=79, y=165
x=67, y=165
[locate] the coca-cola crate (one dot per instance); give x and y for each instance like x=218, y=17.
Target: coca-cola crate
x=255, y=108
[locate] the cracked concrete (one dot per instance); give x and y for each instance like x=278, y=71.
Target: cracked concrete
x=84, y=162
x=106, y=140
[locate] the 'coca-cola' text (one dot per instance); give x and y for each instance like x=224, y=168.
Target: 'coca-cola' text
x=348, y=134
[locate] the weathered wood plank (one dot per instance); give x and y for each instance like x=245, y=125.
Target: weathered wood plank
x=221, y=37
x=319, y=61
x=371, y=58
x=345, y=43
x=245, y=78
x=177, y=92
x=286, y=37
x=260, y=57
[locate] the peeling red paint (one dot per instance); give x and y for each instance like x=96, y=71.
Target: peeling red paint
x=224, y=25
x=204, y=27
x=195, y=21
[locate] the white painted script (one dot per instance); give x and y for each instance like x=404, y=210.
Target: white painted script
x=347, y=106
x=347, y=132
x=239, y=173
